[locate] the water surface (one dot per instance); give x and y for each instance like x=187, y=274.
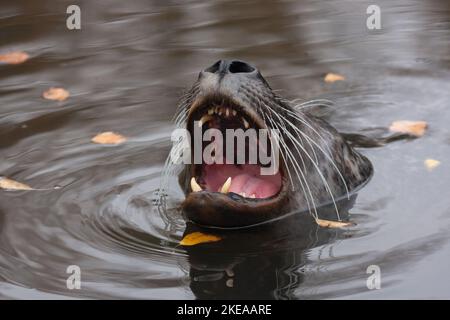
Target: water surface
x=126, y=69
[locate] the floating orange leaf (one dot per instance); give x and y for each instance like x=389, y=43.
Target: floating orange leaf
x=333, y=77
x=198, y=237
x=57, y=94
x=16, y=57
x=333, y=224
x=9, y=184
x=415, y=128
x=108, y=138
x=431, y=164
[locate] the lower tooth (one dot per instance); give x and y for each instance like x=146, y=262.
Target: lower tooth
x=226, y=186
x=234, y=112
x=211, y=111
x=195, y=186
x=227, y=112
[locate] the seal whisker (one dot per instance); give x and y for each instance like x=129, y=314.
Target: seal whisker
x=186, y=99
x=309, y=105
x=296, y=116
x=296, y=143
x=299, y=176
x=313, y=102
x=281, y=120
x=272, y=150
x=180, y=118
x=179, y=115
x=325, y=154
x=296, y=165
x=169, y=170
x=327, y=186
x=301, y=179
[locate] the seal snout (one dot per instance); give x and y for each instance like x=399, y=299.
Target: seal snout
x=236, y=79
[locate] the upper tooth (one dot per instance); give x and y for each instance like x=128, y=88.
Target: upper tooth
x=195, y=186
x=211, y=111
x=204, y=119
x=234, y=112
x=245, y=123
x=243, y=194
x=227, y=112
x=226, y=186
x=253, y=196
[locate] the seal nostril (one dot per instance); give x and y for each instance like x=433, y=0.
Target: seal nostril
x=224, y=67
x=240, y=67
x=214, y=68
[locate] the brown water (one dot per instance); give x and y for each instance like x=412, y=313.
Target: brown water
x=126, y=69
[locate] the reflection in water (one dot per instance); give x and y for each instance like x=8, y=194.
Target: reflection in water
x=263, y=262
x=125, y=70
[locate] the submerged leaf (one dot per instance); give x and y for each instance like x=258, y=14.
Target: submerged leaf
x=333, y=77
x=9, y=184
x=333, y=224
x=430, y=164
x=415, y=128
x=108, y=138
x=16, y=57
x=57, y=94
x=197, y=237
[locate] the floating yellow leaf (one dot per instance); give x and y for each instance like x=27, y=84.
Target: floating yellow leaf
x=16, y=57
x=430, y=164
x=9, y=184
x=197, y=237
x=108, y=138
x=415, y=128
x=57, y=94
x=333, y=224
x=333, y=77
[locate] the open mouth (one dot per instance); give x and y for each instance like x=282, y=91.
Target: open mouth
x=233, y=170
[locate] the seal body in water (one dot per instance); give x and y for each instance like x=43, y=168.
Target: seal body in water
x=316, y=165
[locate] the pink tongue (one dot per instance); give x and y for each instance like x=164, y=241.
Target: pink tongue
x=245, y=179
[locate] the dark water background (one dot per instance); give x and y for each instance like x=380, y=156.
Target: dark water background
x=126, y=69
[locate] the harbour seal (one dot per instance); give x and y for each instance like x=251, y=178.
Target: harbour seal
x=316, y=164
